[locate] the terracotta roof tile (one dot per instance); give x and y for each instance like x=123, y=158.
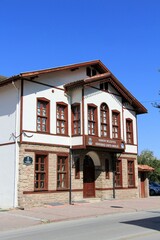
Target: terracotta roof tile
x=145, y=168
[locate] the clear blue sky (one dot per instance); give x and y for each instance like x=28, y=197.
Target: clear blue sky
x=123, y=34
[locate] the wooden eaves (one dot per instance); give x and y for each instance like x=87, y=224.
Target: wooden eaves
x=109, y=77
x=105, y=75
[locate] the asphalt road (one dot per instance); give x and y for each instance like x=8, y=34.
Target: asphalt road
x=125, y=226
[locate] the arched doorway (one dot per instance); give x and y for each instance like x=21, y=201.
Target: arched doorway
x=88, y=177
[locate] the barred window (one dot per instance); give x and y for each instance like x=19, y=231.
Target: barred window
x=115, y=124
x=104, y=116
x=76, y=124
x=92, y=120
x=129, y=131
x=62, y=119
x=62, y=172
x=41, y=173
x=42, y=115
x=131, y=177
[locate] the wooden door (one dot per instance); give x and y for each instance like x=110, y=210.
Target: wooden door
x=88, y=178
x=143, y=177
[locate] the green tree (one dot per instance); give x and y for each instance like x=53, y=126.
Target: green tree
x=147, y=158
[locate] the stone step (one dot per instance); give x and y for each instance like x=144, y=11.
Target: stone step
x=87, y=200
x=93, y=200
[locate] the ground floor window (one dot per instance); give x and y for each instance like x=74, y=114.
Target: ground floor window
x=62, y=172
x=41, y=172
x=118, y=176
x=131, y=178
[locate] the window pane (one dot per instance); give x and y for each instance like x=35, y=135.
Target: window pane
x=36, y=176
x=42, y=167
x=44, y=112
x=38, y=111
x=38, y=119
x=42, y=176
x=36, y=167
x=41, y=184
x=36, y=185
x=43, y=128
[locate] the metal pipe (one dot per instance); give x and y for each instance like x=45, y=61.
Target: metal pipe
x=70, y=178
x=114, y=175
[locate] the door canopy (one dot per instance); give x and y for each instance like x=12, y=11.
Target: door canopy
x=94, y=157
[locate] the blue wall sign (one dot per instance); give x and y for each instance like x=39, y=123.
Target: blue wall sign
x=28, y=160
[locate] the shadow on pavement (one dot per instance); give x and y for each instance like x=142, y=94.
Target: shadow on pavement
x=152, y=223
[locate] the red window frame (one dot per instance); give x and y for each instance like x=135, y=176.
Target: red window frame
x=76, y=121
x=92, y=120
x=62, y=172
x=104, y=118
x=43, y=115
x=62, y=118
x=118, y=175
x=116, y=125
x=41, y=172
x=131, y=173
x=129, y=131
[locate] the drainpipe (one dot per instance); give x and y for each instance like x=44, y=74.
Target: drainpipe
x=70, y=159
x=70, y=178
x=114, y=175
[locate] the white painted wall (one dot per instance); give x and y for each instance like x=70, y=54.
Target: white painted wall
x=32, y=91
x=9, y=128
x=7, y=176
x=9, y=96
x=78, y=140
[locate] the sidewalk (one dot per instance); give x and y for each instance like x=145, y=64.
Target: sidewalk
x=15, y=219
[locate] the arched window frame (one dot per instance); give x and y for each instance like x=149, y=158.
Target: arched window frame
x=104, y=120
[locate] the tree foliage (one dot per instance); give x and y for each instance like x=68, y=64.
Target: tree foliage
x=147, y=158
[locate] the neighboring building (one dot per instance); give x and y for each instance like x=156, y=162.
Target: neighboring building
x=2, y=78
x=67, y=133
x=143, y=171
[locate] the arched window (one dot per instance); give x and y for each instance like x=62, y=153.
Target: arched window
x=104, y=116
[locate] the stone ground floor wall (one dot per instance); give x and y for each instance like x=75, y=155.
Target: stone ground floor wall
x=28, y=197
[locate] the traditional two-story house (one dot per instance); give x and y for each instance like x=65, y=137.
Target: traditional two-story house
x=67, y=133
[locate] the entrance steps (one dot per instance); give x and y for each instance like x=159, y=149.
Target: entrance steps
x=93, y=200
x=87, y=200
